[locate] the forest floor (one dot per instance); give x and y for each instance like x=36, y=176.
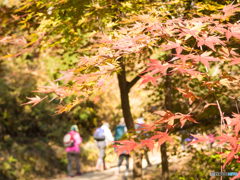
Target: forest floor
x=148, y=172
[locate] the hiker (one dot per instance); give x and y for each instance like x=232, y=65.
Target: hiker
x=188, y=140
x=102, y=136
x=119, y=131
x=73, y=150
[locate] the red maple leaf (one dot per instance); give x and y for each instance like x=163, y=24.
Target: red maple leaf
x=202, y=19
x=82, y=78
x=226, y=138
x=228, y=120
x=230, y=8
x=106, y=39
x=193, y=73
x=210, y=42
x=166, y=116
x=204, y=58
x=173, y=45
x=109, y=66
x=169, y=118
x=141, y=37
x=83, y=61
x=192, y=31
x=156, y=66
x=233, y=31
x=148, y=78
x=126, y=146
x=34, y=101
x=235, y=61
x=146, y=127
x=184, y=118
x=188, y=94
x=48, y=89
x=228, y=34
x=235, y=122
x=228, y=51
x=182, y=69
x=101, y=82
x=219, y=28
x=231, y=155
x=162, y=113
x=149, y=143
x=200, y=139
x=67, y=76
x=162, y=137
x=183, y=58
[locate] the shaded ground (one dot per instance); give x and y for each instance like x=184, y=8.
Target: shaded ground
x=109, y=174
x=175, y=163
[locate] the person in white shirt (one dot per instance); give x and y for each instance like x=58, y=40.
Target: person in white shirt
x=107, y=132
x=102, y=145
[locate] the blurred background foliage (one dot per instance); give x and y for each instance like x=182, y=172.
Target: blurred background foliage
x=31, y=138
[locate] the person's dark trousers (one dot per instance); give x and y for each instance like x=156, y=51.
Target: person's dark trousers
x=121, y=157
x=146, y=156
x=101, y=160
x=211, y=145
x=70, y=157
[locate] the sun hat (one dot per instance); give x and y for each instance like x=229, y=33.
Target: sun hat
x=74, y=128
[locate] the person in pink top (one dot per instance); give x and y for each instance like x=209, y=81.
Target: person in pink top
x=74, y=151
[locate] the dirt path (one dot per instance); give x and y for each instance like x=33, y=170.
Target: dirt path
x=109, y=173
x=174, y=164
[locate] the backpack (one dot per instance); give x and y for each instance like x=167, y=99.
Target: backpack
x=99, y=134
x=119, y=131
x=68, y=140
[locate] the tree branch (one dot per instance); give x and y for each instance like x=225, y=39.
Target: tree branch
x=202, y=122
x=131, y=84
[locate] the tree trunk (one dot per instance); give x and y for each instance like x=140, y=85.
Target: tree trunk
x=125, y=99
x=124, y=90
x=165, y=172
x=137, y=165
x=168, y=106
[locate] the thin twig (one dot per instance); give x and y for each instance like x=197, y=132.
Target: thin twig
x=200, y=102
x=226, y=95
x=221, y=114
x=236, y=105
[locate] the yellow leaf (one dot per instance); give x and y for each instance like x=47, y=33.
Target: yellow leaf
x=199, y=77
x=225, y=82
x=81, y=21
x=7, y=56
x=127, y=4
x=191, y=99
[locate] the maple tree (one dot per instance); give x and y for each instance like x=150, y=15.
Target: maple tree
x=200, y=41
x=53, y=22
x=191, y=54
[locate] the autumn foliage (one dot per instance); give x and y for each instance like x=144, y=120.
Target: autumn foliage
x=201, y=41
